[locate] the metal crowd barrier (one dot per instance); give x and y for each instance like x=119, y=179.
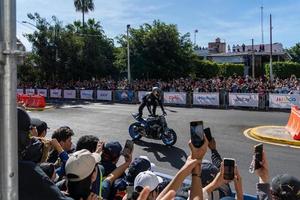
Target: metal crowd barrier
x=221, y=100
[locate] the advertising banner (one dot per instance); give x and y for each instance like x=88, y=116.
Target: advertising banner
x=86, y=94
x=55, y=93
x=283, y=100
x=70, y=94
x=42, y=92
x=104, y=95
x=141, y=94
x=20, y=91
x=243, y=99
x=206, y=99
x=124, y=95
x=174, y=97
x=30, y=91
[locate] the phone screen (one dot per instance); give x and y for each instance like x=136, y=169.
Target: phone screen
x=207, y=133
x=128, y=148
x=197, y=133
x=258, y=151
x=229, y=165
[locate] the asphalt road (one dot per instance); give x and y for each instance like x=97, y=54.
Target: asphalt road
x=111, y=121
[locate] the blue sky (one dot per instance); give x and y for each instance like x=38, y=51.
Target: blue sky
x=234, y=21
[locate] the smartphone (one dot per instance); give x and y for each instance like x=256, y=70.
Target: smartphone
x=128, y=148
x=207, y=133
x=197, y=133
x=258, y=151
x=229, y=165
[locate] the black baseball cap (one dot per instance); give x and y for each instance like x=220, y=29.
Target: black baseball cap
x=39, y=124
x=286, y=187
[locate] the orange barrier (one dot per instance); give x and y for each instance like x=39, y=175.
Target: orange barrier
x=293, y=125
x=32, y=101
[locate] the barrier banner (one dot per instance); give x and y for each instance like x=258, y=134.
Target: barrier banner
x=124, y=95
x=243, y=99
x=175, y=97
x=104, y=95
x=70, y=94
x=207, y=99
x=42, y=92
x=30, y=91
x=283, y=100
x=86, y=94
x=20, y=91
x=55, y=93
x=141, y=95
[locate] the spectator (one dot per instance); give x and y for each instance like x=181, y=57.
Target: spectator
x=64, y=136
x=41, y=127
x=110, y=156
x=39, y=186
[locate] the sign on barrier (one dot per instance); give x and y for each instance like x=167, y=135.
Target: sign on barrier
x=243, y=99
x=55, y=93
x=124, y=95
x=20, y=91
x=207, y=99
x=141, y=95
x=42, y=92
x=105, y=95
x=30, y=91
x=283, y=100
x=86, y=94
x=70, y=94
x=175, y=97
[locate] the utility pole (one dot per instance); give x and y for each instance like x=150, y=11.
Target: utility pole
x=262, y=23
x=253, y=60
x=195, y=37
x=271, y=50
x=8, y=111
x=128, y=55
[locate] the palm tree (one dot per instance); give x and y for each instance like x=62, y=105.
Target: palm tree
x=84, y=6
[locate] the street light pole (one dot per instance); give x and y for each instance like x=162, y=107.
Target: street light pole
x=271, y=50
x=195, y=37
x=8, y=111
x=253, y=60
x=128, y=55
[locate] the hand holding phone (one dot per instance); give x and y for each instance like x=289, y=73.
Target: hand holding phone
x=197, y=133
x=258, y=153
x=208, y=135
x=128, y=148
x=229, y=165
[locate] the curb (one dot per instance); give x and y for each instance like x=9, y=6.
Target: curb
x=254, y=134
x=39, y=109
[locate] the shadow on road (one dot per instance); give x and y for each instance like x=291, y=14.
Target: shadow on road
x=175, y=156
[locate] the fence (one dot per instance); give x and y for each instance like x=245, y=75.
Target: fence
x=184, y=99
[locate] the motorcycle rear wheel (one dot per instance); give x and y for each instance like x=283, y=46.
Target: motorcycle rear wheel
x=169, y=138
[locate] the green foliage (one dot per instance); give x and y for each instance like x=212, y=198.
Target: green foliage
x=283, y=69
x=209, y=69
x=69, y=52
x=295, y=53
x=228, y=69
x=156, y=51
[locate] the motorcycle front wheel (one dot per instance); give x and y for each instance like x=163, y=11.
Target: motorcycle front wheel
x=169, y=137
x=134, y=131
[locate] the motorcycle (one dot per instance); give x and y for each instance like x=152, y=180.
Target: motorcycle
x=154, y=127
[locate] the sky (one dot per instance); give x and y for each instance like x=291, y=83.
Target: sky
x=234, y=21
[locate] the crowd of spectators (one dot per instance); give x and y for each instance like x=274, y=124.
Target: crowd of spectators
x=234, y=83
x=55, y=169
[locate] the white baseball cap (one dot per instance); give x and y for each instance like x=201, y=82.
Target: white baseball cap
x=81, y=164
x=147, y=178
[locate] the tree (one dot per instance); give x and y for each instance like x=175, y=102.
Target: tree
x=84, y=6
x=295, y=53
x=157, y=50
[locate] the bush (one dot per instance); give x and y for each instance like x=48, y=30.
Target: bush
x=228, y=69
x=283, y=69
x=205, y=69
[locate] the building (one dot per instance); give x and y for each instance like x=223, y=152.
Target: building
x=217, y=46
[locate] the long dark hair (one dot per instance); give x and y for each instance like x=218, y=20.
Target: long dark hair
x=79, y=189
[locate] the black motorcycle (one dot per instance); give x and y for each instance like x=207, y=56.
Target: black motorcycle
x=154, y=127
